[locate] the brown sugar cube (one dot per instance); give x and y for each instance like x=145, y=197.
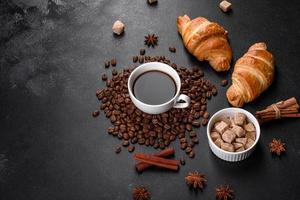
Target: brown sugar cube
x=218, y=142
x=249, y=143
x=251, y=135
x=228, y=136
x=221, y=127
x=241, y=140
x=225, y=6
x=240, y=149
x=239, y=119
x=118, y=27
x=249, y=127
x=237, y=145
x=215, y=135
x=239, y=131
x=226, y=119
x=227, y=147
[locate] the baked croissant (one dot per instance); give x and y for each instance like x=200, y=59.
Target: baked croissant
x=253, y=73
x=206, y=41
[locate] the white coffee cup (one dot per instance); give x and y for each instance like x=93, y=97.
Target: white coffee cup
x=175, y=102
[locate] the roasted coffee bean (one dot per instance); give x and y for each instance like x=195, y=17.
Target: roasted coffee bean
x=113, y=62
x=142, y=52
x=141, y=59
x=110, y=130
x=113, y=118
x=204, y=122
x=134, y=140
x=195, y=140
x=189, y=127
x=183, y=146
x=183, y=140
x=131, y=149
x=135, y=59
x=188, y=150
x=120, y=136
x=141, y=141
x=196, y=123
x=107, y=64
x=172, y=49
x=114, y=72
x=214, y=91
x=104, y=77
x=118, y=150
x=224, y=82
x=193, y=134
x=96, y=113
x=192, y=154
x=182, y=161
x=206, y=115
x=125, y=143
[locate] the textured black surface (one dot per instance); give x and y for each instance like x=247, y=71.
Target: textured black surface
x=51, y=58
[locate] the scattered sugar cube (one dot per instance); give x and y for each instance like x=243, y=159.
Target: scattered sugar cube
x=249, y=127
x=239, y=119
x=225, y=6
x=227, y=147
x=228, y=136
x=239, y=131
x=221, y=126
x=118, y=27
x=241, y=140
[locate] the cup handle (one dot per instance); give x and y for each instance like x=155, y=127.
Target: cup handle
x=185, y=104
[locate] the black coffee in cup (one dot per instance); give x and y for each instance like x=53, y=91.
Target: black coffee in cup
x=154, y=87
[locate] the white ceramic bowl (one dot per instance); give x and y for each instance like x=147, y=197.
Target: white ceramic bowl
x=226, y=155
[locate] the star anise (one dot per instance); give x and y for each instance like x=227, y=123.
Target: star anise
x=140, y=193
x=151, y=40
x=195, y=180
x=224, y=192
x=277, y=147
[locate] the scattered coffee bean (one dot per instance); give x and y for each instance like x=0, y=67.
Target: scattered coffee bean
x=107, y=64
x=113, y=62
x=206, y=115
x=195, y=140
x=224, y=82
x=104, y=77
x=214, y=91
x=135, y=59
x=141, y=59
x=142, y=52
x=96, y=113
x=182, y=161
x=118, y=150
x=131, y=148
x=188, y=150
x=204, y=122
x=125, y=143
x=172, y=49
x=196, y=123
x=192, y=154
x=193, y=134
x=114, y=72
x=183, y=146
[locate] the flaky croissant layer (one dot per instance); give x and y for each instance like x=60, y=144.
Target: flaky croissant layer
x=253, y=74
x=206, y=41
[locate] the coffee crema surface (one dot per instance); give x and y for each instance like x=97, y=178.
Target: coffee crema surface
x=154, y=87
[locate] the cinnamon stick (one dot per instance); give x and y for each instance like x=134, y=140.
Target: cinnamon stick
x=141, y=166
x=157, y=161
x=283, y=109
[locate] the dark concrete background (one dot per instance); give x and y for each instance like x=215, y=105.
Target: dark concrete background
x=51, y=58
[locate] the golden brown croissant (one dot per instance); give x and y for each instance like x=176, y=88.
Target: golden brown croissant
x=206, y=41
x=253, y=73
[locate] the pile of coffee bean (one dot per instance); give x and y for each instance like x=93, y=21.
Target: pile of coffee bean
x=132, y=126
